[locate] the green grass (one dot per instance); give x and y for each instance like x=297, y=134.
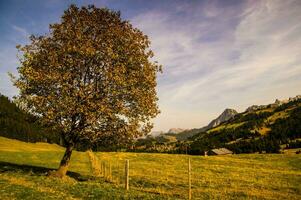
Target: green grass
x=23, y=170
x=225, y=126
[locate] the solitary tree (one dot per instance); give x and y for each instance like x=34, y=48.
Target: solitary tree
x=92, y=77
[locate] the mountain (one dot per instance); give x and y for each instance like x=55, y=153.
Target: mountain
x=275, y=104
x=262, y=128
x=183, y=134
x=225, y=116
x=175, y=130
x=155, y=133
x=258, y=129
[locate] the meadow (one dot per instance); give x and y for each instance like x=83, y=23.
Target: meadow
x=24, y=168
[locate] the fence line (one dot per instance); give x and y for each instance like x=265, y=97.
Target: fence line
x=94, y=163
x=159, y=181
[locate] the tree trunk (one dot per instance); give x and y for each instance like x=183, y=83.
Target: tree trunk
x=63, y=168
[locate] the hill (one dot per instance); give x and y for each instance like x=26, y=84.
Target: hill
x=23, y=169
x=223, y=117
x=18, y=124
x=264, y=129
x=183, y=134
x=175, y=130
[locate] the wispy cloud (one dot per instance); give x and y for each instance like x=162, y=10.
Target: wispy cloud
x=8, y=58
x=21, y=31
x=215, y=53
x=224, y=56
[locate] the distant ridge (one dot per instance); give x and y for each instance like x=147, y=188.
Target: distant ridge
x=176, y=130
x=260, y=129
x=226, y=115
x=275, y=104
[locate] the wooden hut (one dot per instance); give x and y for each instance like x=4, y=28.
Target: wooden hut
x=220, y=151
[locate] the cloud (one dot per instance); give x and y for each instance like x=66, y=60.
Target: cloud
x=233, y=55
x=8, y=63
x=23, y=32
x=215, y=54
x=8, y=58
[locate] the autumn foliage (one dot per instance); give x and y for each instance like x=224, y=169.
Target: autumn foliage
x=92, y=77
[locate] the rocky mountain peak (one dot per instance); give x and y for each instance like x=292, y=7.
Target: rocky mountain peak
x=229, y=111
x=225, y=116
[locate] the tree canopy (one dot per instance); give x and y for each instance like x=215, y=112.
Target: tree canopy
x=92, y=76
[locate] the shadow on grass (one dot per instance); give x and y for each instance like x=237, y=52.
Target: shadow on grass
x=36, y=170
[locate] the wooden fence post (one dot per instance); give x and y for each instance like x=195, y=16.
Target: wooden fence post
x=127, y=167
x=110, y=172
x=117, y=174
x=104, y=170
x=189, y=179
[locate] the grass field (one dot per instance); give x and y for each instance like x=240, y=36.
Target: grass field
x=23, y=169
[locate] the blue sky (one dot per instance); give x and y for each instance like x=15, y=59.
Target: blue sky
x=215, y=54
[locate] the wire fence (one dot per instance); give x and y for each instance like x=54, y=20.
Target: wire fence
x=164, y=180
x=176, y=180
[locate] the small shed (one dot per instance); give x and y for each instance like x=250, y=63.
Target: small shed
x=220, y=151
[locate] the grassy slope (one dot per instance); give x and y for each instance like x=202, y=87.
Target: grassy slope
x=225, y=126
x=153, y=176
x=263, y=130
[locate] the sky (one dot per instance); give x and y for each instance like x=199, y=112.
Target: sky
x=215, y=54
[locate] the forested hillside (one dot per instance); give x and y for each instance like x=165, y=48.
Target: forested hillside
x=265, y=128
x=17, y=124
x=262, y=130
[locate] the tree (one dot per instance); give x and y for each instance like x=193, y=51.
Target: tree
x=92, y=77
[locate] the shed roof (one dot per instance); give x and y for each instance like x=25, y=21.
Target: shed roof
x=221, y=151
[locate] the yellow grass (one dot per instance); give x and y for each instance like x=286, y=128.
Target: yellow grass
x=152, y=176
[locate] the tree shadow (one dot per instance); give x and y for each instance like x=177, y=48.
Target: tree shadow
x=37, y=170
